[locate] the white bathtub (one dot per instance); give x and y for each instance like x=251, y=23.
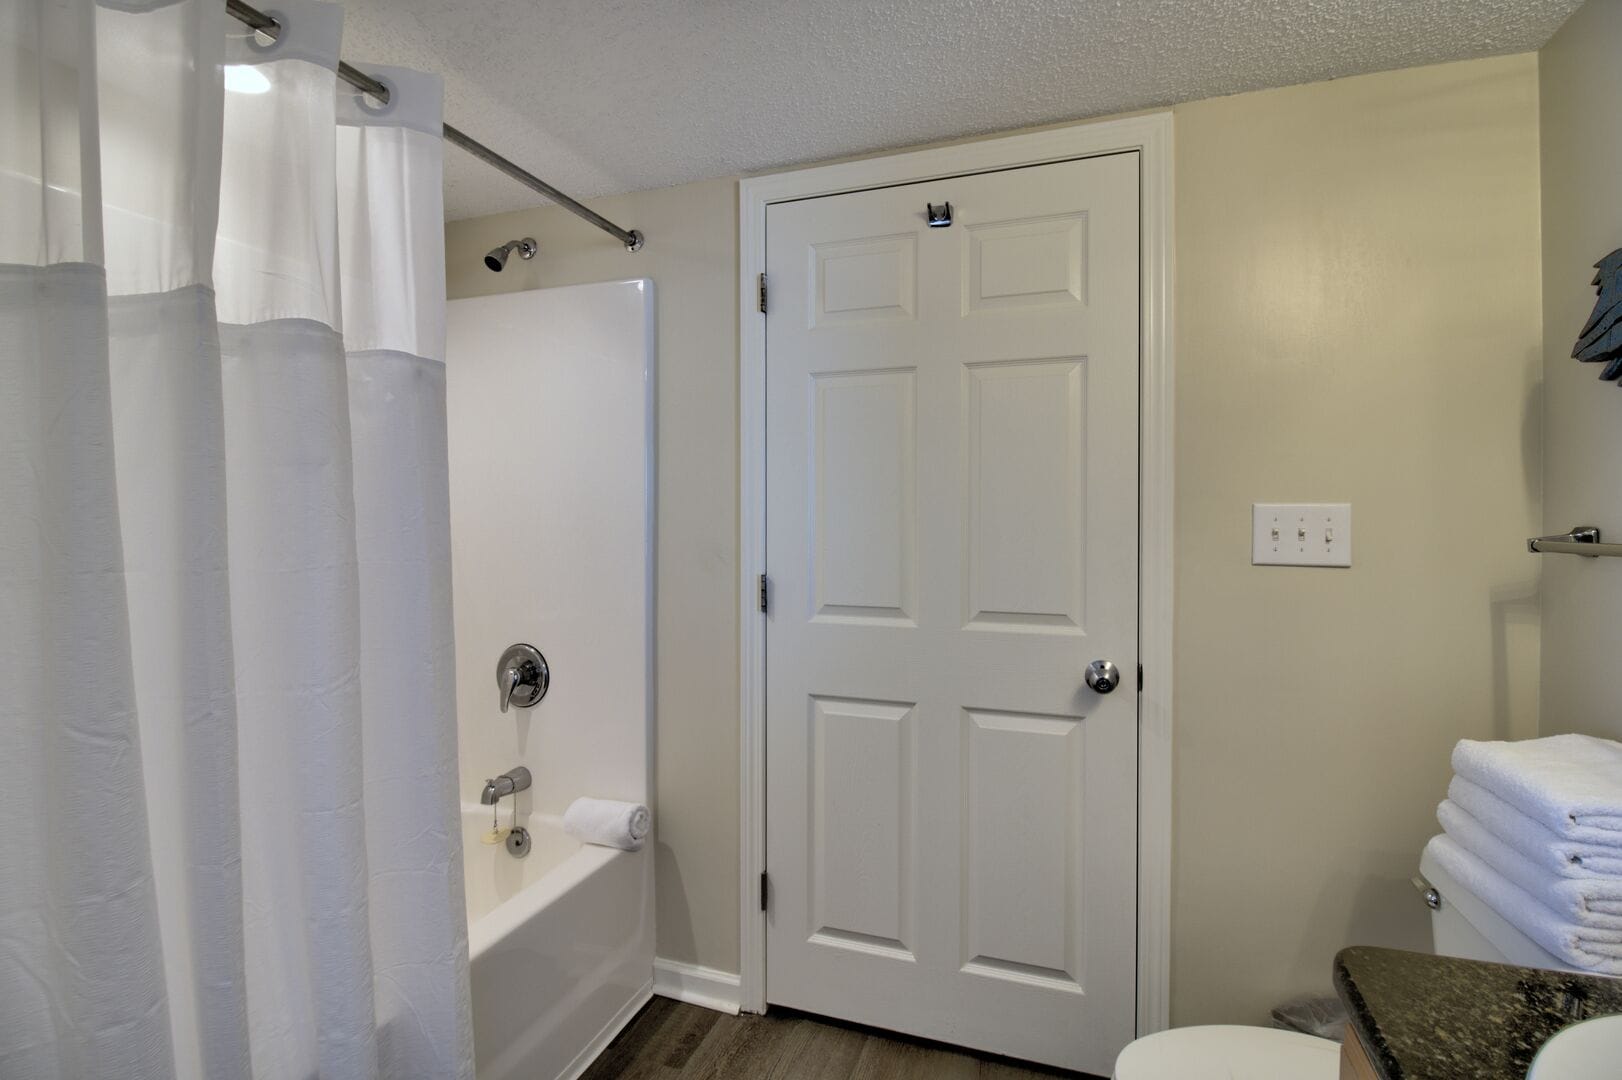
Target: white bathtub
x=561, y=944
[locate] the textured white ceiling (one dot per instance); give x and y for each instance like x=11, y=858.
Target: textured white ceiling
x=606, y=96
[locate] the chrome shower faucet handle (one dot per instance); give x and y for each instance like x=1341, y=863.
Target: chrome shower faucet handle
x=522, y=676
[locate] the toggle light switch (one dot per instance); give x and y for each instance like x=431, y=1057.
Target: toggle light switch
x=1301, y=534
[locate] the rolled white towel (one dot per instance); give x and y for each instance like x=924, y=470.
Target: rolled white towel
x=1582, y=947
x=608, y=823
x=1572, y=784
x=1568, y=858
x=1591, y=902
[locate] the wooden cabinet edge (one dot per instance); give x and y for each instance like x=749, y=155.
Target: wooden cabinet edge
x=1354, y=1060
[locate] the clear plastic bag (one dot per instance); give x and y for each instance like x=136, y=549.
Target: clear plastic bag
x=1322, y=1015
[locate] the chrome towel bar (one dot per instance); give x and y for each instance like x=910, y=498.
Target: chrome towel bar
x=1581, y=540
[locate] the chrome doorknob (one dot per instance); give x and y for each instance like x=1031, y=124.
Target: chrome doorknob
x=1103, y=676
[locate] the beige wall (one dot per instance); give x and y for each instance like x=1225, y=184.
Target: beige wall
x=692, y=257
x=1582, y=220
x=1357, y=320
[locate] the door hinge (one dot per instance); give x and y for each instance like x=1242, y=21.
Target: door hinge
x=765, y=889
x=1140, y=676
x=764, y=582
x=761, y=292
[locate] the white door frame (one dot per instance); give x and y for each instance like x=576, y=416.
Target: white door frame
x=1151, y=136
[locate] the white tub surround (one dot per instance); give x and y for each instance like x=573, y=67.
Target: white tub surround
x=550, y=403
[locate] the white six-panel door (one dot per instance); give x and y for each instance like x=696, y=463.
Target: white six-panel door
x=952, y=516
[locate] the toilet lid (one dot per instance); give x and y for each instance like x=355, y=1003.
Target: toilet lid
x=1224, y=1052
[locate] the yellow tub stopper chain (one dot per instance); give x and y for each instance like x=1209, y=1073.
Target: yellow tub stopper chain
x=496, y=834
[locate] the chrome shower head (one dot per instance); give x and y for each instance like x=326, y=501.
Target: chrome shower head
x=498, y=257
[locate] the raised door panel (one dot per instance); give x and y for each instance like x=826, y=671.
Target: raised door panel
x=864, y=509
x=1022, y=858
x=1036, y=262
x=862, y=281
x=863, y=761
x=1024, y=504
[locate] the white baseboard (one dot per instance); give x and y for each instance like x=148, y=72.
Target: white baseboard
x=696, y=985
x=627, y=1013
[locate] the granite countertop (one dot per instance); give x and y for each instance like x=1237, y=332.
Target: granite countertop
x=1424, y=1017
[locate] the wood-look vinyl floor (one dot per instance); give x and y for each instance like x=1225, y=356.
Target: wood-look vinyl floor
x=669, y=1040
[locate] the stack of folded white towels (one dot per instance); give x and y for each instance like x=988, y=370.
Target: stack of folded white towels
x=1534, y=828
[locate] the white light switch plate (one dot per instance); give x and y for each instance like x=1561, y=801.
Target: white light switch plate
x=1301, y=534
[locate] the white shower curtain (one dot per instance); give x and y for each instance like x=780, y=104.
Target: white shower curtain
x=228, y=822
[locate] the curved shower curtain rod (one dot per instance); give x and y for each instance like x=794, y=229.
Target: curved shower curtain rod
x=631, y=238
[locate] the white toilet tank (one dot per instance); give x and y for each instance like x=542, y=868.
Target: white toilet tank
x=1463, y=925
